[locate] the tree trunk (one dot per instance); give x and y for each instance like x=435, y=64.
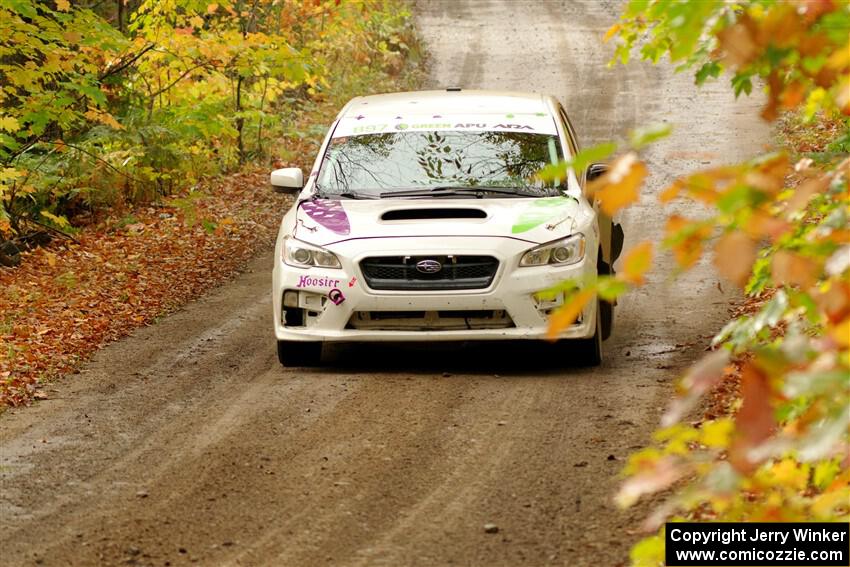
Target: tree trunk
x=240, y=122
x=121, y=16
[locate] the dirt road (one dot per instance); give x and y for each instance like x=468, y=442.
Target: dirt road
x=187, y=442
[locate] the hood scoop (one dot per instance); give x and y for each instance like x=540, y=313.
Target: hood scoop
x=433, y=214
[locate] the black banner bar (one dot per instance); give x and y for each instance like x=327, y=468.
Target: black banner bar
x=761, y=544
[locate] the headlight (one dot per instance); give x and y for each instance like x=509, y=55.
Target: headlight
x=303, y=255
x=561, y=252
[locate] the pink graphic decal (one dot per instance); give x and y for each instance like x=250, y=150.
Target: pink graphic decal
x=352, y=282
x=336, y=296
x=329, y=214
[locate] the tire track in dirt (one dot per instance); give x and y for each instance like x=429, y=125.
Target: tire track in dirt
x=188, y=444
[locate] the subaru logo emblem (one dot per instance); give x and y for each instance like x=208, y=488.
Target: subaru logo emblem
x=428, y=266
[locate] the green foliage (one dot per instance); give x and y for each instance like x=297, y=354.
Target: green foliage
x=781, y=453
x=799, y=49
x=94, y=115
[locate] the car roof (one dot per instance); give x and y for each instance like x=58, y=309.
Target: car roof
x=451, y=101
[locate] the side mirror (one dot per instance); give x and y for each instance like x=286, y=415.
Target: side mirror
x=287, y=180
x=596, y=170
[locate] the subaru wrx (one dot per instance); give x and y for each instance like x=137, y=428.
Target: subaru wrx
x=424, y=219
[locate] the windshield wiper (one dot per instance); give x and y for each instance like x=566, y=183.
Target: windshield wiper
x=450, y=191
x=351, y=195
x=323, y=194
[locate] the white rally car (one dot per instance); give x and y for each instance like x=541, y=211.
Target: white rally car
x=423, y=220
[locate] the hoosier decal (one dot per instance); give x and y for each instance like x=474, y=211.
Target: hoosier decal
x=311, y=281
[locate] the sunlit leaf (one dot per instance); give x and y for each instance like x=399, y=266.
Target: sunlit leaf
x=734, y=255
x=620, y=185
x=716, y=433
x=9, y=124
x=671, y=192
x=805, y=191
x=825, y=472
x=755, y=421
x=583, y=159
x=636, y=263
x=612, y=31
x=665, y=472
x=645, y=135
x=56, y=219
x=567, y=314
x=738, y=44
x=699, y=378
x=790, y=268
x=610, y=288
x=686, y=238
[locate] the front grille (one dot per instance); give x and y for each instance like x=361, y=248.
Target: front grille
x=468, y=320
x=455, y=272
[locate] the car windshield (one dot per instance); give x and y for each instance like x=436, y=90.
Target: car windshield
x=448, y=161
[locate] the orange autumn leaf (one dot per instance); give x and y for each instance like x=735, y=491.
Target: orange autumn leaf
x=686, y=239
x=620, y=186
x=703, y=186
x=840, y=481
x=755, y=421
x=805, y=191
x=103, y=117
x=789, y=268
x=610, y=33
x=734, y=255
x=636, y=263
x=663, y=473
x=841, y=333
x=763, y=225
x=567, y=315
x=834, y=300
x=671, y=192
x=793, y=95
x=738, y=45
x=770, y=175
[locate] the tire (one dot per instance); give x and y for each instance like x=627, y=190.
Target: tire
x=299, y=354
x=606, y=308
x=606, y=314
x=590, y=350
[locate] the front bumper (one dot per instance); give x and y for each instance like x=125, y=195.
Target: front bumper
x=334, y=315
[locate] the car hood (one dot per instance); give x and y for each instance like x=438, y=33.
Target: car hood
x=535, y=220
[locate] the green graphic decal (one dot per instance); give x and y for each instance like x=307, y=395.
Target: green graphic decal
x=540, y=211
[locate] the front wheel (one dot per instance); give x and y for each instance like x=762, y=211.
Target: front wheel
x=590, y=350
x=606, y=308
x=606, y=313
x=299, y=353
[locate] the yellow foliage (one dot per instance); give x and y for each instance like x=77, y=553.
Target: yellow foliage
x=9, y=124
x=716, y=433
